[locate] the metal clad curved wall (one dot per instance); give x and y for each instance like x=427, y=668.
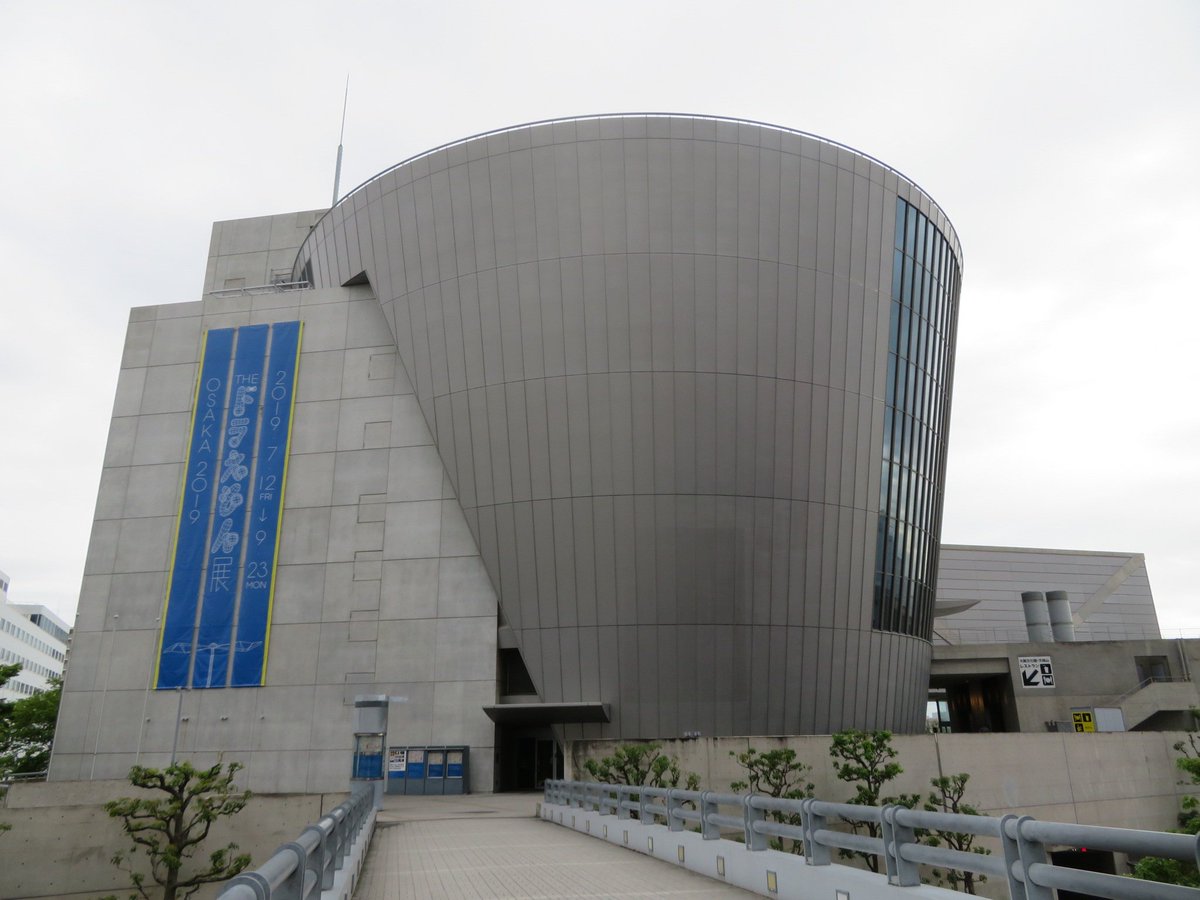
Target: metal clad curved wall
x=653, y=352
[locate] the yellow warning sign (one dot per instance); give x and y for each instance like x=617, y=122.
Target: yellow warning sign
x=1083, y=720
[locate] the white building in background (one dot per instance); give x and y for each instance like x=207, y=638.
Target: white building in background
x=34, y=637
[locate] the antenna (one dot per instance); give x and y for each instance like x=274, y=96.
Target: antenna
x=337, y=171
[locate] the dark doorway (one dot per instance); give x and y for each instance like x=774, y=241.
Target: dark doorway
x=1088, y=861
x=526, y=756
x=971, y=704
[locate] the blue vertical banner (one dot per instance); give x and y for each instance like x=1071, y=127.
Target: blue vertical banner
x=223, y=566
x=262, y=548
x=226, y=540
x=195, y=512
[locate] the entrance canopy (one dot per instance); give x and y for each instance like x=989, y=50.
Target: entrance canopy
x=547, y=713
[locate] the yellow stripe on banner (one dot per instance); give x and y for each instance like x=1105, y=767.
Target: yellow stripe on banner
x=187, y=459
x=287, y=459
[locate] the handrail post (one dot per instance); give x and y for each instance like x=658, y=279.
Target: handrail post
x=900, y=871
x=674, y=804
x=644, y=815
x=1032, y=853
x=341, y=846
x=708, y=807
x=750, y=815
x=623, y=794
x=1012, y=858
x=885, y=832
x=253, y=881
x=318, y=860
x=815, y=853
x=292, y=887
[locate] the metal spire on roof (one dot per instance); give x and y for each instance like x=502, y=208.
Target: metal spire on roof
x=337, y=172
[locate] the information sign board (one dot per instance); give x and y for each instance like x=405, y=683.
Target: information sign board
x=1036, y=671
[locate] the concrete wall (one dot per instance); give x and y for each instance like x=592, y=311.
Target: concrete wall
x=250, y=252
x=1127, y=780
x=62, y=840
x=380, y=588
x=654, y=352
x=1086, y=674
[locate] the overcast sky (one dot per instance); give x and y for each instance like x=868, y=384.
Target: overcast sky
x=1062, y=139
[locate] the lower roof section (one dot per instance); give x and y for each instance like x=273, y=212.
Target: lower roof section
x=548, y=713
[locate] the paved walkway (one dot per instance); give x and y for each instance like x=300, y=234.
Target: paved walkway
x=492, y=845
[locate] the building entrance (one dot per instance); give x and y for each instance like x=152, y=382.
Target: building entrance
x=526, y=757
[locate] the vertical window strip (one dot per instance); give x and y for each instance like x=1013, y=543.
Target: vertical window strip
x=922, y=323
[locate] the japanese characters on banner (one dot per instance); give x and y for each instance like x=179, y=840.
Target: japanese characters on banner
x=216, y=623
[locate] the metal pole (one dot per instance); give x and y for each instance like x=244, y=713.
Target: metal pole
x=337, y=171
x=178, y=712
x=145, y=702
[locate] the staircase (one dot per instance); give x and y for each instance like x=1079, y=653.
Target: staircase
x=1155, y=695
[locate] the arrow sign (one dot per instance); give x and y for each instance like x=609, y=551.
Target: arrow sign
x=1036, y=671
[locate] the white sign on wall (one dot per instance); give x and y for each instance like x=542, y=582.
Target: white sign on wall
x=397, y=760
x=1036, y=671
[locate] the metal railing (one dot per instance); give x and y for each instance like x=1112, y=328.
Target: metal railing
x=12, y=777
x=1023, y=839
x=1087, y=632
x=308, y=865
x=1145, y=683
x=275, y=287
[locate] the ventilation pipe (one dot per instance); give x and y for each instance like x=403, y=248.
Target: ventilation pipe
x=1061, y=622
x=1037, y=617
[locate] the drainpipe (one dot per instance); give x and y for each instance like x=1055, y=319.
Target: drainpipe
x=1037, y=617
x=1061, y=622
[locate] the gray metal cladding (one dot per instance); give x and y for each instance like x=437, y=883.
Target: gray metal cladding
x=652, y=351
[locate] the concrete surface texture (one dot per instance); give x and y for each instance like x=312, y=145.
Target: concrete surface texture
x=1127, y=780
x=1109, y=674
x=766, y=874
x=654, y=355
x=62, y=840
x=494, y=846
x=379, y=588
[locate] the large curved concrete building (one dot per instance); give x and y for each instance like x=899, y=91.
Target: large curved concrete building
x=690, y=379
x=613, y=427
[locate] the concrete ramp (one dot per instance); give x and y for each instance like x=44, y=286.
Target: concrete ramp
x=494, y=846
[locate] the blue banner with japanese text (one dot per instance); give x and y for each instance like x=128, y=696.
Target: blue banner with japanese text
x=195, y=512
x=223, y=566
x=258, y=585
x=225, y=543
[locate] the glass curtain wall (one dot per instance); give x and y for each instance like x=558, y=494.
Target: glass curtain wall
x=924, y=309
